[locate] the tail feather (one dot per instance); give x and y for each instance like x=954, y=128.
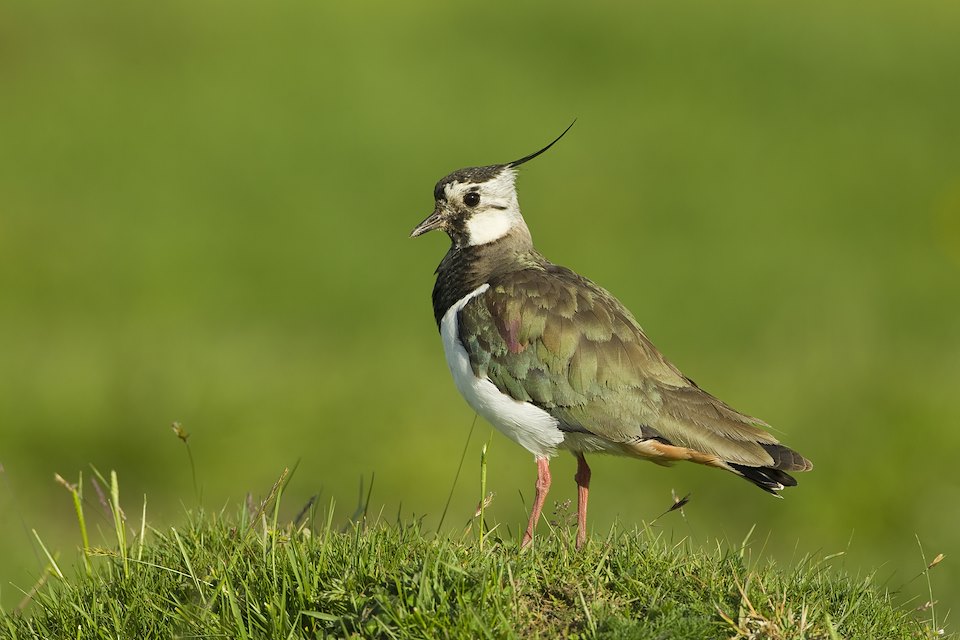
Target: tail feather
x=769, y=479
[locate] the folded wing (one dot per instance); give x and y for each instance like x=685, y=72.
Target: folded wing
x=550, y=337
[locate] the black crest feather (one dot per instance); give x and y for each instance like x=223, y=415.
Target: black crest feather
x=517, y=163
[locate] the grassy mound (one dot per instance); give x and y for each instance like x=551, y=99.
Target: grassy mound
x=250, y=576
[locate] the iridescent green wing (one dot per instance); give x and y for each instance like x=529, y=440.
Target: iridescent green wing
x=555, y=339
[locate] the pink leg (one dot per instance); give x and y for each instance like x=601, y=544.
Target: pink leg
x=543, y=486
x=583, y=486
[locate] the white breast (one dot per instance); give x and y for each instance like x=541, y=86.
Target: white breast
x=528, y=425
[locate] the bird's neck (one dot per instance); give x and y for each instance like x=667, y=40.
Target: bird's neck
x=465, y=268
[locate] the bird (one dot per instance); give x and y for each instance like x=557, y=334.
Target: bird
x=555, y=362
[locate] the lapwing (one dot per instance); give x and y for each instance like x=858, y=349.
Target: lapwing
x=555, y=362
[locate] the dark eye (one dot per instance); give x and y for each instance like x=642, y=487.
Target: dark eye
x=471, y=198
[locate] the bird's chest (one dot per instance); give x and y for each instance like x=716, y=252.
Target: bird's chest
x=524, y=423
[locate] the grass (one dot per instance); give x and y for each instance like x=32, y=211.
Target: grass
x=250, y=574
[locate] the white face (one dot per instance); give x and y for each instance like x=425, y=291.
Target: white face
x=497, y=212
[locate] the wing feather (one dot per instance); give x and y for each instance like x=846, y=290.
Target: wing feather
x=548, y=336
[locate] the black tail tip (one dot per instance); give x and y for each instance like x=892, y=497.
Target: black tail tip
x=767, y=478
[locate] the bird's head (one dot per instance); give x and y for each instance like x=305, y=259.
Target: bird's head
x=478, y=205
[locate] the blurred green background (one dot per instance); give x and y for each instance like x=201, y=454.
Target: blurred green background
x=204, y=211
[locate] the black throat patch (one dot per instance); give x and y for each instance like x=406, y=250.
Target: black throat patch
x=466, y=268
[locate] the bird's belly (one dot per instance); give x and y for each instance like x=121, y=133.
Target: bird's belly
x=526, y=424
